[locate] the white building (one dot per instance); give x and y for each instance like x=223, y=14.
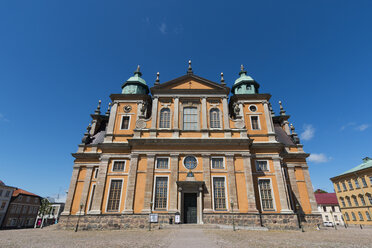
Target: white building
x=5, y=196
x=329, y=208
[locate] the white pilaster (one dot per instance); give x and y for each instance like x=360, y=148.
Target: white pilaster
x=154, y=117
x=111, y=123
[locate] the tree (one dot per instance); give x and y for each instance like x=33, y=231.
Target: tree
x=320, y=191
x=44, y=210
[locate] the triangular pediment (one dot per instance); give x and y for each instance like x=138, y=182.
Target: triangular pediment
x=190, y=83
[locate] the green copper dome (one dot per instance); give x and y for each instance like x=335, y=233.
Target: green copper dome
x=245, y=84
x=135, y=84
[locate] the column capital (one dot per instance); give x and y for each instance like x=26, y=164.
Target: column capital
x=205, y=155
x=134, y=155
x=229, y=155
x=150, y=155
x=246, y=155
x=174, y=155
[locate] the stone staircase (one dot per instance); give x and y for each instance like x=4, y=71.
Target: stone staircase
x=213, y=226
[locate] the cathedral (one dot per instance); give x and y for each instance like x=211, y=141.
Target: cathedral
x=190, y=148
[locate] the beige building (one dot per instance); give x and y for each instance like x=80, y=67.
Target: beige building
x=5, y=196
x=190, y=148
x=354, y=193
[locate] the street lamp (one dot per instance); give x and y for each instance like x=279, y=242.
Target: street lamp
x=232, y=212
x=77, y=224
x=150, y=216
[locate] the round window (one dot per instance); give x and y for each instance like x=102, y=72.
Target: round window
x=253, y=108
x=190, y=162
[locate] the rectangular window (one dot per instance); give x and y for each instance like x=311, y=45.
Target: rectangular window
x=95, y=173
x=344, y=186
x=338, y=187
x=1, y=192
x=254, y=123
x=91, y=197
x=364, y=182
x=333, y=208
x=217, y=163
x=370, y=180
x=336, y=218
x=118, y=166
x=265, y=194
x=161, y=193
x=262, y=165
x=162, y=163
x=114, y=195
x=356, y=183
x=327, y=218
x=190, y=118
x=24, y=210
x=219, y=193
x=350, y=185
x=3, y=205
x=324, y=209
x=343, y=202
x=7, y=194
x=125, y=120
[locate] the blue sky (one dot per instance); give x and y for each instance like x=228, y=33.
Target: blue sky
x=58, y=58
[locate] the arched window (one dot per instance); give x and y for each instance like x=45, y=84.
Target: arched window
x=347, y=216
x=368, y=215
x=214, y=117
x=348, y=201
x=369, y=198
x=342, y=201
x=164, y=118
x=362, y=200
x=353, y=215
x=355, y=200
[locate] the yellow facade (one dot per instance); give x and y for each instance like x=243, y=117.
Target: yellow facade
x=135, y=159
x=354, y=194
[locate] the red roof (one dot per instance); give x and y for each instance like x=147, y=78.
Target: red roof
x=24, y=192
x=326, y=198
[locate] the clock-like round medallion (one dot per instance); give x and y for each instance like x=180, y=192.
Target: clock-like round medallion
x=127, y=108
x=190, y=162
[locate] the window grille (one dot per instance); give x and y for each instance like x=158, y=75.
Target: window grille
x=261, y=166
x=217, y=163
x=114, y=195
x=355, y=201
x=190, y=118
x=362, y=200
x=347, y=216
x=91, y=196
x=364, y=182
x=356, y=183
x=118, y=166
x=219, y=193
x=368, y=215
x=342, y=202
x=161, y=193
x=125, y=122
x=344, y=186
x=369, y=198
x=162, y=163
x=266, y=195
x=164, y=121
x=353, y=216
x=350, y=185
x=254, y=123
x=360, y=216
x=215, y=118
x=338, y=187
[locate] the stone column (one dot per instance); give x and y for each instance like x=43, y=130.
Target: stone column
x=269, y=121
x=204, y=118
x=111, y=123
x=226, y=122
x=200, y=203
x=281, y=186
x=154, y=117
x=85, y=191
x=176, y=132
x=173, y=184
x=310, y=190
x=149, y=183
x=207, y=181
x=231, y=181
x=251, y=196
x=100, y=186
x=71, y=190
x=131, y=185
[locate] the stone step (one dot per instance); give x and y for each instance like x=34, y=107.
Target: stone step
x=213, y=226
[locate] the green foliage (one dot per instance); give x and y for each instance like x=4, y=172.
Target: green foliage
x=320, y=191
x=45, y=207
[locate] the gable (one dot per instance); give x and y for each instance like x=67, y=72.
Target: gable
x=189, y=83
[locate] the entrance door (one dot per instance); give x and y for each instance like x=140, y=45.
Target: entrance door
x=189, y=208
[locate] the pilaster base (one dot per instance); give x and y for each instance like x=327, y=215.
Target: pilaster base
x=128, y=211
x=94, y=212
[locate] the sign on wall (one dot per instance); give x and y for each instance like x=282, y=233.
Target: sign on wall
x=153, y=218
